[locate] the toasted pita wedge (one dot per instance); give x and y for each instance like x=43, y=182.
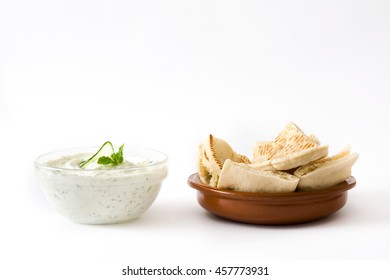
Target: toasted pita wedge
x=261, y=151
x=206, y=174
x=241, y=158
x=212, y=155
x=264, y=165
x=299, y=158
x=293, y=139
x=314, y=139
x=203, y=167
x=296, y=143
x=242, y=177
x=326, y=172
x=290, y=129
x=276, y=151
x=290, y=149
x=217, y=151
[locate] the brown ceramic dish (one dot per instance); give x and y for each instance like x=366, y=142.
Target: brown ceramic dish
x=272, y=208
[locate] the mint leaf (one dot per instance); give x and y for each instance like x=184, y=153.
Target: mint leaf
x=101, y=156
x=118, y=157
x=115, y=158
x=105, y=160
x=105, y=149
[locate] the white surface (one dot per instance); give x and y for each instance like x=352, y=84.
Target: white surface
x=164, y=74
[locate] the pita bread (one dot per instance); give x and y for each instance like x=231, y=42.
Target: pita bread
x=291, y=160
x=241, y=158
x=212, y=155
x=297, y=142
x=217, y=151
x=290, y=129
x=314, y=139
x=264, y=165
x=261, y=151
x=326, y=172
x=245, y=178
x=206, y=174
x=299, y=158
x=290, y=149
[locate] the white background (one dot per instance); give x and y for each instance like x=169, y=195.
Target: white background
x=165, y=74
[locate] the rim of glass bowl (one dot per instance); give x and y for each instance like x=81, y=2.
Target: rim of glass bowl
x=163, y=159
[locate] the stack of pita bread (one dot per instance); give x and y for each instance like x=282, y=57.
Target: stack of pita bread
x=292, y=160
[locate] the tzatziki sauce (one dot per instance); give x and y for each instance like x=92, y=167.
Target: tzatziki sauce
x=102, y=194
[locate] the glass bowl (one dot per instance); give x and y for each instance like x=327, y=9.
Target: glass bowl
x=105, y=195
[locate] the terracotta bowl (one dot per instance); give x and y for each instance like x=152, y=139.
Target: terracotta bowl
x=272, y=208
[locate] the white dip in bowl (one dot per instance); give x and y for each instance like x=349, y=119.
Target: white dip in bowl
x=100, y=194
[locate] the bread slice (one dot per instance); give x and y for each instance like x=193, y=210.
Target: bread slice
x=245, y=178
x=326, y=172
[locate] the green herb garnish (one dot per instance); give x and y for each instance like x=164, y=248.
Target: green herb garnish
x=115, y=158
x=105, y=156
